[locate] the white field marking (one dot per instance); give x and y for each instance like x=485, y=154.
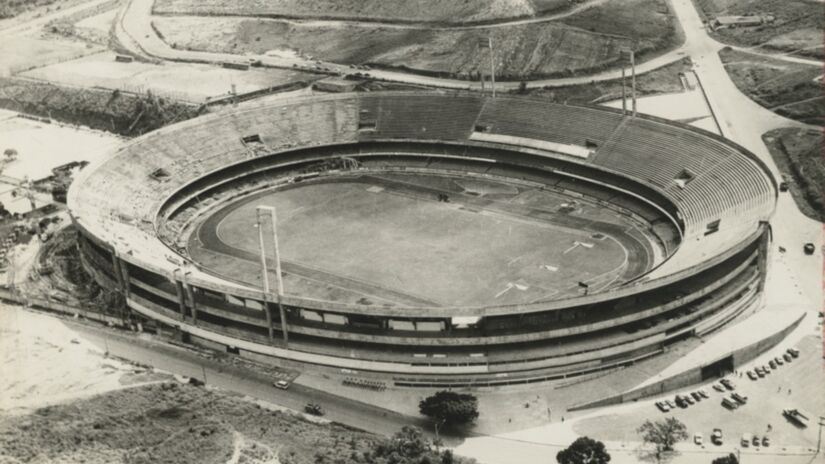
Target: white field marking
x=512, y=261
x=586, y=244
x=506, y=289
x=548, y=267
x=521, y=287
x=375, y=189
x=575, y=245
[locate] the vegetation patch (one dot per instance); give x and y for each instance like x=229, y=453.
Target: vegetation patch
x=798, y=154
x=114, y=111
x=793, y=90
x=175, y=423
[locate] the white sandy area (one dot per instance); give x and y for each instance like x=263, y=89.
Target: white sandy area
x=682, y=106
x=42, y=361
x=42, y=147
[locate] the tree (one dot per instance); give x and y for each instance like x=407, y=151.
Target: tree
x=522, y=87
x=10, y=154
x=729, y=459
x=584, y=450
x=450, y=408
x=664, y=434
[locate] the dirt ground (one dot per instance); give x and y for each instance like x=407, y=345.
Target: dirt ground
x=586, y=41
x=798, y=155
x=417, y=10
x=798, y=26
x=790, y=89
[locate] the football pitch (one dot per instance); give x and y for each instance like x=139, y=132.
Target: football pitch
x=392, y=239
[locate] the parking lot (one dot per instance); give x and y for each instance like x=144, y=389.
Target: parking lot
x=796, y=384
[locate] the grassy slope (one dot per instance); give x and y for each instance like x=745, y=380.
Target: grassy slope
x=799, y=155
x=799, y=24
x=789, y=89
x=172, y=423
x=663, y=80
x=454, y=11
x=12, y=8
x=582, y=43
x=121, y=113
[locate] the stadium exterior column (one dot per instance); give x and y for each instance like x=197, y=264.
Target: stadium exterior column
x=124, y=273
x=189, y=294
x=264, y=272
x=179, y=293
x=762, y=258
x=624, y=91
x=116, y=269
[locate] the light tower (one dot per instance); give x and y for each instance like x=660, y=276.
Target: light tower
x=632, y=55
x=270, y=211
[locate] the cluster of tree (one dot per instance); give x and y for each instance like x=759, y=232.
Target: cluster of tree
x=408, y=446
x=450, y=408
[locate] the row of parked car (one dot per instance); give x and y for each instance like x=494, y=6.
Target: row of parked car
x=682, y=401
x=748, y=440
x=762, y=371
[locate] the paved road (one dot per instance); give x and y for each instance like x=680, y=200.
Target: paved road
x=146, y=350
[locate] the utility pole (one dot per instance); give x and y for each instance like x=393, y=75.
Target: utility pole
x=492, y=66
x=624, y=91
x=278, y=277
x=633, y=79
x=264, y=273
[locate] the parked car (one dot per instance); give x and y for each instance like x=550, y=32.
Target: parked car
x=766, y=441
x=772, y=363
x=670, y=404
x=793, y=352
x=662, y=406
x=681, y=401
x=787, y=357
x=809, y=248
x=689, y=399
x=704, y=393
x=760, y=372
x=728, y=384
x=741, y=399
x=766, y=368
x=730, y=404
x=783, y=186
x=282, y=384
x=314, y=409
x=755, y=441
x=698, y=438
x=752, y=375
x=718, y=387
x=746, y=440
x=696, y=396
x=716, y=437
x=779, y=360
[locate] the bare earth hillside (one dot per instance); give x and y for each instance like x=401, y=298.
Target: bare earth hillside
x=586, y=41
x=405, y=11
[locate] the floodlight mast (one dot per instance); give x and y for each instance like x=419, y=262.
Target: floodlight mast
x=269, y=210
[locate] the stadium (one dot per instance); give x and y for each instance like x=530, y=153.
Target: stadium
x=447, y=239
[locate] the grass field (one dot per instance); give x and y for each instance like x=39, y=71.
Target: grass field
x=798, y=27
x=411, y=10
x=390, y=238
x=798, y=154
x=586, y=41
x=791, y=89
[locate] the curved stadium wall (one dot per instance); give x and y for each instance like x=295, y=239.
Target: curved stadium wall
x=706, y=202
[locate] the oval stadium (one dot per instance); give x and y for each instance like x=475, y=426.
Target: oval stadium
x=446, y=239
